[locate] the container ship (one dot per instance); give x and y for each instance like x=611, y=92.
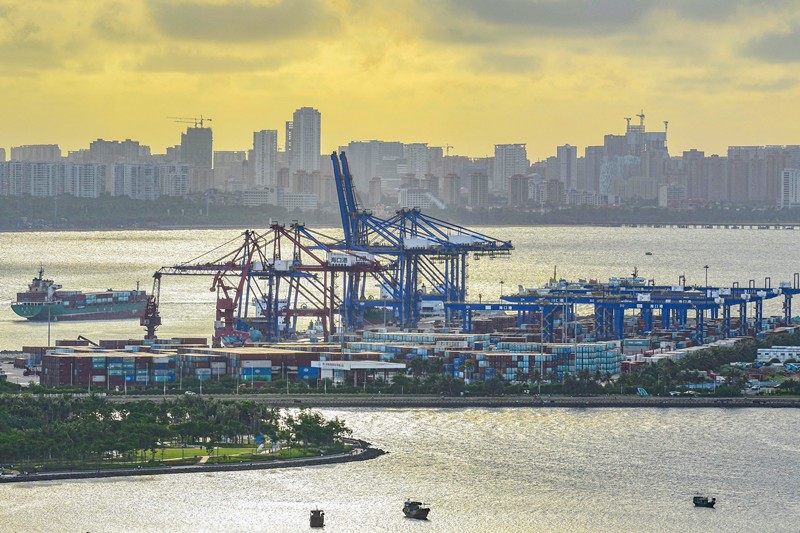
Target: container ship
x=44, y=301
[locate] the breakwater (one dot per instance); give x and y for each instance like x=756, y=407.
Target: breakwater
x=362, y=451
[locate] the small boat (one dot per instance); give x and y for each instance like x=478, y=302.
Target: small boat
x=416, y=510
x=702, y=501
x=317, y=518
x=648, y=253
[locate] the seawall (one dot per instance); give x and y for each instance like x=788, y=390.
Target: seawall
x=362, y=451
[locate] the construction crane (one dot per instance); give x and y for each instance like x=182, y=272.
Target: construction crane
x=447, y=148
x=197, y=121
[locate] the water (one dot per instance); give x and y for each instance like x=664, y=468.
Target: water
x=482, y=470
x=499, y=470
x=98, y=260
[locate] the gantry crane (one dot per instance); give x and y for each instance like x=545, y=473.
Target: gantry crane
x=284, y=274
x=418, y=249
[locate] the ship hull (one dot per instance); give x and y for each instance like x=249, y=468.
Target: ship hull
x=57, y=312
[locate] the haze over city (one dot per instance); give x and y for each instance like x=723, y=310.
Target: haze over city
x=465, y=73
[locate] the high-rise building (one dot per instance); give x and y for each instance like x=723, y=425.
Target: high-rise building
x=790, y=188
x=230, y=170
x=368, y=159
x=593, y=163
x=518, y=190
x=49, y=178
x=417, y=159
x=567, y=156
x=265, y=151
x=478, y=190
x=197, y=147
x=746, y=174
x=2, y=155
x=36, y=152
x=451, y=190
x=696, y=176
x=509, y=159
x=776, y=160
x=303, y=182
x=110, y=152
x=375, y=192
x=136, y=180
x=303, y=140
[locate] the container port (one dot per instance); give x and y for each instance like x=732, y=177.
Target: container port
x=296, y=304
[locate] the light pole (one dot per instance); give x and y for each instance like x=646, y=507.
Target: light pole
x=501, y=288
x=706, y=267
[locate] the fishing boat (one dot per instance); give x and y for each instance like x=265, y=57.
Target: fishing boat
x=703, y=501
x=45, y=301
x=317, y=518
x=416, y=510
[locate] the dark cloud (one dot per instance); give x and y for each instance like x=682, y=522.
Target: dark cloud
x=721, y=10
x=776, y=48
x=240, y=20
x=589, y=15
x=477, y=21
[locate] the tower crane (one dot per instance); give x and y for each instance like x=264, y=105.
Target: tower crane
x=197, y=121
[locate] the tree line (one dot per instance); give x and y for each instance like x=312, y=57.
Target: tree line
x=93, y=429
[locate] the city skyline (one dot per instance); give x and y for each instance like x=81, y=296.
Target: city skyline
x=467, y=74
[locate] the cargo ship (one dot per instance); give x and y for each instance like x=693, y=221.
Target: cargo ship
x=44, y=301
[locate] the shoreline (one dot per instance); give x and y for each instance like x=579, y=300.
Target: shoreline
x=362, y=451
x=402, y=402
x=334, y=226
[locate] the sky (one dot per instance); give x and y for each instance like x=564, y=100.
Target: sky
x=465, y=73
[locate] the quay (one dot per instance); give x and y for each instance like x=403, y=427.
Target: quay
x=419, y=401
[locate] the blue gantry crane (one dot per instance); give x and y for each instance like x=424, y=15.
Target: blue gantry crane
x=668, y=307
x=426, y=258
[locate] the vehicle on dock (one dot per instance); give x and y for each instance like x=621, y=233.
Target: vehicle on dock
x=703, y=501
x=43, y=301
x=416, y=510
x=317, y=518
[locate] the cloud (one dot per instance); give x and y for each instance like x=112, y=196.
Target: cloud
x=23, y=44
x=121, y=22
x=776, y=47
x=508, y=63
x=198, y=62
x=241, y=20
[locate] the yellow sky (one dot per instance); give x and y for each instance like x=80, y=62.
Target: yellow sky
x=469, y=73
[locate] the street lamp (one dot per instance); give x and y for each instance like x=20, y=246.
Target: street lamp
x=501, y=288
x=706, y=267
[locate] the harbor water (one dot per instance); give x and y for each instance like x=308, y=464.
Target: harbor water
x=498, y=470
x=98, y=260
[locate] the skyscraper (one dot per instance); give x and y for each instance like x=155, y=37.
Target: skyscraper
x=303, y=140
x=265, y=150
x=509, y=159
x=196, y=147
x=567, y=156
x=478, y=190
